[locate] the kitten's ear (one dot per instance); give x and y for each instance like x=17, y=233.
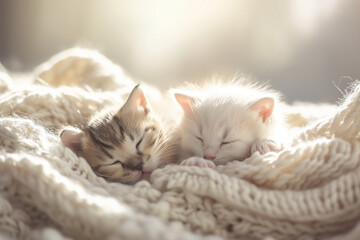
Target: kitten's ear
x=185, y=101
x=264, y=107
x=137, y=100
x=71, y=138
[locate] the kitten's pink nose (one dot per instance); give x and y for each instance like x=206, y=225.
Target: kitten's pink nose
x=209, y=157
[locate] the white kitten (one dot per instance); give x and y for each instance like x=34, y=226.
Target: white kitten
x=228, y=121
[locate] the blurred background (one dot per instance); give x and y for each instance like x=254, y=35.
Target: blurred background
x=306, y=49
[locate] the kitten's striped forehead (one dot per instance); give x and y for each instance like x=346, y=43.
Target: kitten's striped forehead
x=113, y=129
x=106, y=130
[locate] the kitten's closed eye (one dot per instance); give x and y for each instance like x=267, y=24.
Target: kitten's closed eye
x=224, y=143
x=147, y=130
x=200, y=139
x=116, y=162
x=228, y=142
x=139, y=142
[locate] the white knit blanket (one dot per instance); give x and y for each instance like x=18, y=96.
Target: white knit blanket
x=310, y=190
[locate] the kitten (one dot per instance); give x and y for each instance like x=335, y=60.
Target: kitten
x=227, y=121
x=126, y=145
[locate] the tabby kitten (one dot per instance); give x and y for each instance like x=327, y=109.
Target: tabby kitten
x=126, y=145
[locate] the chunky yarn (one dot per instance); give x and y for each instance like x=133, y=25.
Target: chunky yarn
x=309, y=190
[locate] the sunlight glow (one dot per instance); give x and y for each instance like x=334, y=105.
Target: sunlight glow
x=308, y=14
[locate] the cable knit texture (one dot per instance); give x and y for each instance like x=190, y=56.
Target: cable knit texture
x=309, y=190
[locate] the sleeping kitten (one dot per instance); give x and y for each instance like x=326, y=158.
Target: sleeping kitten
x=126, y=145
x=225, y=122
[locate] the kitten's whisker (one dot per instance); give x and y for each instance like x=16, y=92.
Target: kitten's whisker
x=168, y=149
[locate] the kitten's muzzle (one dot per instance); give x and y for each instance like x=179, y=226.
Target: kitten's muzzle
x=139, y=166
x=135, y=163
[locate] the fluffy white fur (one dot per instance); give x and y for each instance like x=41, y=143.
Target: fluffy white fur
x=223, y=121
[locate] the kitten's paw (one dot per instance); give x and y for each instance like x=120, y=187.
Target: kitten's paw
x=198, y=162
x=265, y=145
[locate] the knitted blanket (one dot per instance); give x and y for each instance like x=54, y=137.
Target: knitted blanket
x=309, y=190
